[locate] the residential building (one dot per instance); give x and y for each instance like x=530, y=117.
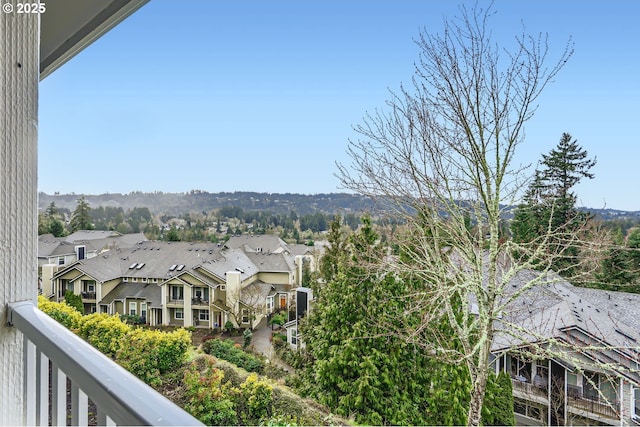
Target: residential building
x=186, y=284
x=573, y=353
x=301, y=306
x=56, y=252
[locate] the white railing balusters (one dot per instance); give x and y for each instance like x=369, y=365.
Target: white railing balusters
x=79, y=407
x=30, y=388
x=119, y=397
x=42, y=382
x=58, y=396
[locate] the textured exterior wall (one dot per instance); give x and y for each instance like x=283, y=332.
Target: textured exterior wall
x=19, y=45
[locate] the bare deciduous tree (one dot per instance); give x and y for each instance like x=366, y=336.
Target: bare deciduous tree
x=441, y=158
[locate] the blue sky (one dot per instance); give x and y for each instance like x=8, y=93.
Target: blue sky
x=262, y=95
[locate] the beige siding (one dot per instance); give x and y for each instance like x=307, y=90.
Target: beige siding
x=19, y=73
x=275, y=278
x=108, y=286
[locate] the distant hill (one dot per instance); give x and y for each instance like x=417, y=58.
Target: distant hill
x=199, y=201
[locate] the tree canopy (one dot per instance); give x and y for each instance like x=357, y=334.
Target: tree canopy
x=440, y=156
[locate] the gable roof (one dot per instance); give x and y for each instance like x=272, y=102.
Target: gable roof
x=164, y=260
x=603, y=325
x=90, y=235
x=147, y=291
x=266, y=243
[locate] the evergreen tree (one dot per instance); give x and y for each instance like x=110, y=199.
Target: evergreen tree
x=549, y=203
x=358, y=369
x=74, y=301
x=621, y=267
x=81, y=216
x=173, y=235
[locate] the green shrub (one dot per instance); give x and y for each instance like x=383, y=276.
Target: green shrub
x=228, y=326
x=246, y=335
x=103, y=331
x=74, y=301
x=286, y=406
x=60, y=311
x=149, y=353
x=254, y=400
x=279, y=319
x=131, y=319
x=227, y=350
x=207, y=394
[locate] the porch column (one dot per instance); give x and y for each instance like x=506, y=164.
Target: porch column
x=19, y=74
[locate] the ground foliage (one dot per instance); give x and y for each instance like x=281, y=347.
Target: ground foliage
x=219, y=393
x=231, y=351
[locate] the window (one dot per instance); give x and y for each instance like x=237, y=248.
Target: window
x=61, y=260
x=134, y=279
x=245, y=315
x=177, y=293
x=635, y=412
x=88, y=286
x=203, y=315
x=178, y=314
x=201, y=294
x=143, y=310
x=133, y=308
x=270, y=304
x=529, y=409
x=520, y=369
x=80, y=252
x=294, y=336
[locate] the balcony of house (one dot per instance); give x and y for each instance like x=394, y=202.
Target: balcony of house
x=526, y=389
x=88, y=296
x=175, y=298
x=67, y=380
x=88, y=291
x=200, y=297
x=591, y=405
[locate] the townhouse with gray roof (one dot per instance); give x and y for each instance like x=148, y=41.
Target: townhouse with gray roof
x=56, y=252
x=186, y=284
x=573, y=353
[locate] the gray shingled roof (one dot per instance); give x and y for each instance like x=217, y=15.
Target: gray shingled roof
x=272, y=262
x=82, y=235
x=152, y=259
x=150, y=292
x=49, y=246
x=555, y=309
x=230, y=260
x=269, y=243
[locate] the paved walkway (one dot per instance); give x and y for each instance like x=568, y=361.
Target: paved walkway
x=261, y=342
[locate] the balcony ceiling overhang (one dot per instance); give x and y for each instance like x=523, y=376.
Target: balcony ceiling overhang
x=68, y=26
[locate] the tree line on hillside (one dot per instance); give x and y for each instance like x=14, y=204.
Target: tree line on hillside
x=212, y=226
x=160, y=202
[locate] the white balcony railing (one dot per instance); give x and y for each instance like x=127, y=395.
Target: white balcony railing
x=54, y=354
